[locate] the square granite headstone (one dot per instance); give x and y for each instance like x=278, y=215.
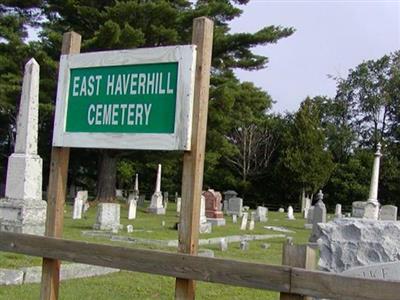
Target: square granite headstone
x=388, y=213
x=108, y=217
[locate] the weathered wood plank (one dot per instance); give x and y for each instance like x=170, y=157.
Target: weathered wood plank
x=231, y=272
x=56, y=194
x=184, y=266
x=300, y=256
x=193, y=160
x=336, y=286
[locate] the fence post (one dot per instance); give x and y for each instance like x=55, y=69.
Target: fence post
x=193, y=160
x=300, y=256
x=71, y=44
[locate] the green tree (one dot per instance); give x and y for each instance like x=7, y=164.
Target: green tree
x=305, y=157
x=368, y=94
x=127, y=24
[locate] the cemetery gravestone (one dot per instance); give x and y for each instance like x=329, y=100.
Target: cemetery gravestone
x=234, y=219
x=165, y=200
x=244, y=221
x=23, y=210
x=357, y=209
x=132, y=207
x=261, y=214
x=156, y=205
x=228, y=195
x=119, y=193
x=252, y=223
x=319, y=216
x=129, y=228
x=310, y=215
x=108, y=217
x=79, y=202
x=136, y=187
x=338, y=211
x=307, y=206
x=205, y=227
x=235, y=206
x=290, y=214
x=388, y=213
x=223, y=244
x=281, y=210
x=213, y=207
x=244, y=245
x=371, y=210
x=178, y=205
x=141, y=200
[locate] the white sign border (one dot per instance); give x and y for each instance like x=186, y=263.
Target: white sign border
x=179, y=140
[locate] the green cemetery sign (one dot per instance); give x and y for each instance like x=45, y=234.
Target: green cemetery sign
x=130, y=99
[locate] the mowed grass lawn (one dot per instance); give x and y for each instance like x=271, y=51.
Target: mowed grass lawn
x=132, y=285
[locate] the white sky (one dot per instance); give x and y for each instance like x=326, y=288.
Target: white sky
x=331, y=37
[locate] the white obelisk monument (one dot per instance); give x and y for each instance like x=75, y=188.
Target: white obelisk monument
x=372, y=207
x=23, y=210
x=156, y=205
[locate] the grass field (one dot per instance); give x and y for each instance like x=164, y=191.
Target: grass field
x=131, y=285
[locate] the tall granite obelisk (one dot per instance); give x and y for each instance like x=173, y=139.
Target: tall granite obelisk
x=23, y=210
x=371, y=210
x=156, y=205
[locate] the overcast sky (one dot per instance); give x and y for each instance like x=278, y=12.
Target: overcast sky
x=331, y=37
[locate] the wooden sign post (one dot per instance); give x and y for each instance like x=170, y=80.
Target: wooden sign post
x=56, y=194
x=163, y=103
x=193, y=160
x=300, y=256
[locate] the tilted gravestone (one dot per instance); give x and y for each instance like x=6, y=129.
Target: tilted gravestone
x=252, y=221
x=79, y=202
x=132, y=207
x=243, y=225
x=23, y=210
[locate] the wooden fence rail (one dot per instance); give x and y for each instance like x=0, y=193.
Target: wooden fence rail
x=237, y=273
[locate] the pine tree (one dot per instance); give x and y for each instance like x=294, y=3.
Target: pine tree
x=306, y=158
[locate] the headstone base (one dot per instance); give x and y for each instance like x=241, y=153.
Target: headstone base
x=205, y=227
x=156, y=210
x=216, y=221
x=23, y=216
